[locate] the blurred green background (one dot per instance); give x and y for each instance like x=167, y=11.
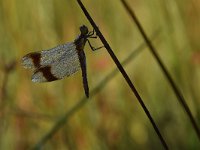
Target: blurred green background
x=112, y=119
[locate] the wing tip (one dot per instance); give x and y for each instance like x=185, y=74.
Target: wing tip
x=37, y=77
x=31, y=60
x=26, y=62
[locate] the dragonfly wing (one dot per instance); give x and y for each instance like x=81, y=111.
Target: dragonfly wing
x=82, y=60
x=65, y=65
x=47, y=57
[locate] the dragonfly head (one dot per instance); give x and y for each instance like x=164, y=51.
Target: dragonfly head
x=84, y=30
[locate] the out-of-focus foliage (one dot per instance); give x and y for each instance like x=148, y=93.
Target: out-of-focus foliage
x=113, y=119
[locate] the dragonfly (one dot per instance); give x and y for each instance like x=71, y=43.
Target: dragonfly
x=61, y=61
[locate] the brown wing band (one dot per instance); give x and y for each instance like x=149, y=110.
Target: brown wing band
x=46, y=71
x=36, y=58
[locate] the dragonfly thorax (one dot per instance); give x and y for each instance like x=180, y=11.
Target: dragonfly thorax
x=82, y=38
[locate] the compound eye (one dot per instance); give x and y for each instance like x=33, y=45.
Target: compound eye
x=84, y=29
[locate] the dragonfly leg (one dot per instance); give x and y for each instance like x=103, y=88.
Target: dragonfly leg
x=93, y=48
x=93, y=37
x=91, y=33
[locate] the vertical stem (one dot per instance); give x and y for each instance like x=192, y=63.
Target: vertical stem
x=177, y=92
x=121, y=69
